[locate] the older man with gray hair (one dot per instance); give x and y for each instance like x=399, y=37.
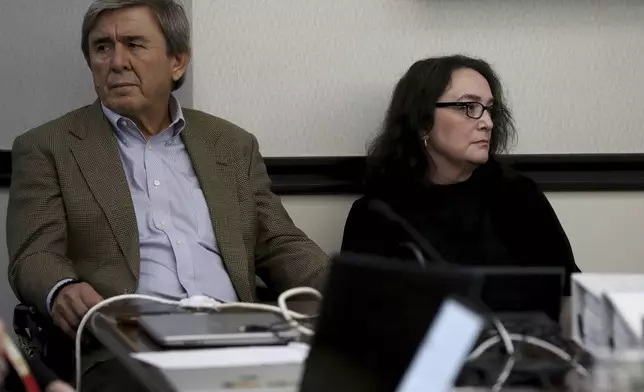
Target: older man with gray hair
x=135, y=194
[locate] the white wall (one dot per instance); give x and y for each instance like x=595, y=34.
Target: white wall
x=313, y=77
x=604, y=228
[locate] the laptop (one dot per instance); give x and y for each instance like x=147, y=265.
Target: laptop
x=508, y=290
x=211, y=329
x=376, y=315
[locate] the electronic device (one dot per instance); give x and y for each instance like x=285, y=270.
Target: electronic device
x=626, y=313
x=375, y=314
x=444, y=349
x=216, y=329
x=607, y=310
x=510, y=289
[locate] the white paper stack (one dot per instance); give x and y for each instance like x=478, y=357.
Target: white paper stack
x=608, y=312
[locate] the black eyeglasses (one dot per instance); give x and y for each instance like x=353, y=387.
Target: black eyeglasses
x=472, y=109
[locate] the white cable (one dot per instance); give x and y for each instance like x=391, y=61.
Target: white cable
x=204, y=303
x=483, y=347
x=555, y=350
x=505, y=337
x=533, y=341
x=281, y=302
x=505, y=374
x=502, y=336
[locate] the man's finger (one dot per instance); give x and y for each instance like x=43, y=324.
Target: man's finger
x=90, y=297
x=64, y=325
x=68, y=309
x=76, y=305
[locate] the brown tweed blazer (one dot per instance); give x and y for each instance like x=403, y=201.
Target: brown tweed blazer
x=71, y=215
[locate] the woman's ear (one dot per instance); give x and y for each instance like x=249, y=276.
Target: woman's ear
x=424, y=139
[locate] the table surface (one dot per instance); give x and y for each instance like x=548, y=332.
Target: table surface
x=116, y=327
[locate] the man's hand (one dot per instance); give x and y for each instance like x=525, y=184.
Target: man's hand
x=71, y=304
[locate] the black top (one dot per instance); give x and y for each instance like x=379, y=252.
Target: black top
x=495, y=218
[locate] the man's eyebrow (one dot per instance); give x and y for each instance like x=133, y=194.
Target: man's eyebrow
x=101, y=40
x=127, y=38
x=133, y=38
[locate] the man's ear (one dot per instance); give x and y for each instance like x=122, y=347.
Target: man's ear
x=180, y=62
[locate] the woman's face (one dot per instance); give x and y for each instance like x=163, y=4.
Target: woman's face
x=457, y=139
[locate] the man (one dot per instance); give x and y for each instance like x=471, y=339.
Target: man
x=136, y=194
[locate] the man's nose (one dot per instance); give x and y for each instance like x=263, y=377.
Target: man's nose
x=120, y=59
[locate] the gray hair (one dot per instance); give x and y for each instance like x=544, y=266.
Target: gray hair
x=169, y=13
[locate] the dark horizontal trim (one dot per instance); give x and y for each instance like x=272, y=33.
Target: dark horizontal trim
x=5, y=168
x=552, y=172
x=344, y=174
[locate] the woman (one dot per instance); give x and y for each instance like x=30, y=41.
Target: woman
x=434, y=164
x=44, y=377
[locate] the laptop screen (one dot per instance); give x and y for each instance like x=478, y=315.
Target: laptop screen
x=523, y=289
x=444, y=349
x=375, y=314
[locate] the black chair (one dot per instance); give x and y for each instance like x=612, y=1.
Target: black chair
x=40, y=338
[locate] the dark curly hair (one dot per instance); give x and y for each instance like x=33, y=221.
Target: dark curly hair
x=397, y=154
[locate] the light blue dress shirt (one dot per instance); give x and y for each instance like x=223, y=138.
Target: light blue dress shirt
x=178, y=249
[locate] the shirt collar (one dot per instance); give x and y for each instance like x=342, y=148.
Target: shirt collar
x=119, y=122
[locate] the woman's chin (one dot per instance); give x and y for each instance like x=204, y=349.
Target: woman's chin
x=479, y=159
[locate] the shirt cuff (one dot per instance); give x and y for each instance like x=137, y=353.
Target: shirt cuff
x=53, y=291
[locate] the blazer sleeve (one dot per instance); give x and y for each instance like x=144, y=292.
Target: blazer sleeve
x=36, y=224
x=548, y=233
x=285, y=257
x=367, y=232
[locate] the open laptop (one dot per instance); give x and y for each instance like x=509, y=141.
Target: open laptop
x=376, y=320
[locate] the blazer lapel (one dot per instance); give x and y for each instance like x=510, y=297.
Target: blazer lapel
x=214, y=168
x=96, y=152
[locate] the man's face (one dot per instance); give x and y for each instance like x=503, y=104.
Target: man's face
x=129, y=62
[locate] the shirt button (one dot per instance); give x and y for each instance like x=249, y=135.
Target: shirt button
x=162, y=223
x=156, y=183
x=179, y=242
x=150, y=148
